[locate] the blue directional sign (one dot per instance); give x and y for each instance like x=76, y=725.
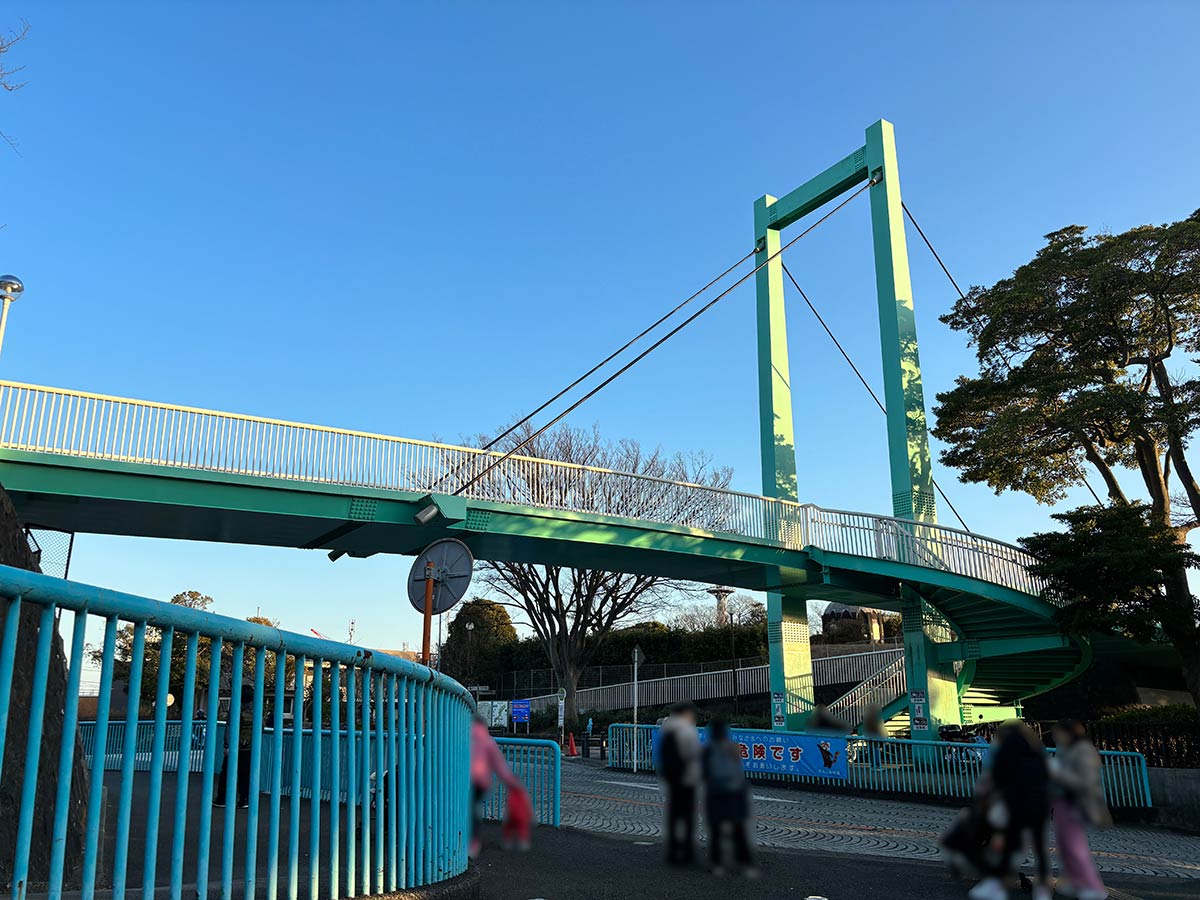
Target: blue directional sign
x=520, y=710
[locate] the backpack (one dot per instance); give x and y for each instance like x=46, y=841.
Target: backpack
x=724, y=769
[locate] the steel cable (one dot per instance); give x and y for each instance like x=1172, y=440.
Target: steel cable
x=629, y=365
x=870, y=390
x=963, y=297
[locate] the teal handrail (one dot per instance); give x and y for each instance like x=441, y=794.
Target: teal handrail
x=538, y=763
x=401, y=744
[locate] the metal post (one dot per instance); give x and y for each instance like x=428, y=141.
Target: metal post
x=637, y=652
x=428, y=621
x=4, y=320
x=733, y=666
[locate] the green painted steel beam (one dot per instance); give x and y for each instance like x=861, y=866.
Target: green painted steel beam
x=816, y=192
x=989, y=647
x=776, y=433
x=904, y=398
x=89, y=495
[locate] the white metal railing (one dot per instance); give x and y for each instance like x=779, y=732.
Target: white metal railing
x=876, y=692
x=854, y=667
x=662, y=691
x=94, y=426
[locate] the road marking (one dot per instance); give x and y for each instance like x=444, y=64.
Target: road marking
x=632, y=784
x=773, y=799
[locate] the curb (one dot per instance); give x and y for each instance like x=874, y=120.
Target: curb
x=467, y=886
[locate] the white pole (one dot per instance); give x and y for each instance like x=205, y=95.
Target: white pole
x=635, y=711
x=4, y=319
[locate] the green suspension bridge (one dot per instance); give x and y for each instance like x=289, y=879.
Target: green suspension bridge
x=979, y=637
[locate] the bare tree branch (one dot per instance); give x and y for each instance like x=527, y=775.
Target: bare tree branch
x=7, y=42
x=573, y=610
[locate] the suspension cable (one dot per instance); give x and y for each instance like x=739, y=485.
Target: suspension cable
x=604, y=362
x=1078, y=469
x=870, y=390
x=662, y=340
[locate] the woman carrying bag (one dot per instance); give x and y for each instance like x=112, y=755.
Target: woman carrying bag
x=1079, y=802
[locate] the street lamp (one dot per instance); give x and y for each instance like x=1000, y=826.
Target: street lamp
x=10, y=290
x=722, y=595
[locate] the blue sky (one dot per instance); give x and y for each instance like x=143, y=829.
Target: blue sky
x=288, y=211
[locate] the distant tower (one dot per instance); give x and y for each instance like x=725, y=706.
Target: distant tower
x=722, y=595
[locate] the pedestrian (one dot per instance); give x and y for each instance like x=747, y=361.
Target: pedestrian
x=822, y=721
x=245, y=741
x=875, y=734
x=1018, y=806
x=679, y=767
x=488, y=760
x=727, y=800
x=1078, y=802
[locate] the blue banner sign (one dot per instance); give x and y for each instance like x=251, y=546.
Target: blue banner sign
x=785, y=753
x=520, y=710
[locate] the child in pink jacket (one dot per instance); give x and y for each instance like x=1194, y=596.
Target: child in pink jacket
x=486, y=761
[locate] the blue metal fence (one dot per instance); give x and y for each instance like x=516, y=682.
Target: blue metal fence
x=401, y=734
x=539, y=766
x=537, y=763
x=931, y=768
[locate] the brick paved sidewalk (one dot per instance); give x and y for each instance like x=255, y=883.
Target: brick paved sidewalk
x=612, y=801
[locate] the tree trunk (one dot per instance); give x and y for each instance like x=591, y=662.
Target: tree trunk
x=1191, y=670
x=1179, y=625
x=569, y=679
x=14, y=551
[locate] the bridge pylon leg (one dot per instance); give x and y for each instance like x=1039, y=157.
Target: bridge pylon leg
x=787, y=618
x=791, y=661
x=933, y=694
x=908, y=437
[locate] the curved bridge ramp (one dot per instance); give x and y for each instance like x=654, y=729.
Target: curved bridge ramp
x=84, y=462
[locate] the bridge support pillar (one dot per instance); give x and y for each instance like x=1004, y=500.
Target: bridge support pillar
x=787, y=618
x=932, y=685
x=908, y=439
x=791, y=661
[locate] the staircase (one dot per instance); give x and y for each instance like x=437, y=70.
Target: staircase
x=886, y=686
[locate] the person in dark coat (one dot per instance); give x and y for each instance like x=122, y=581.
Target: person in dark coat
x=679, y=767
x=243, y=750
x=727, y=800
x=1020, y=787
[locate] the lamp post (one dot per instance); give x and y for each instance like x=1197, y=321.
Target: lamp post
x=10, y=290
x=722, y=595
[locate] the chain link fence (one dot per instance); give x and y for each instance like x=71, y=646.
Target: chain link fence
x=52, y=549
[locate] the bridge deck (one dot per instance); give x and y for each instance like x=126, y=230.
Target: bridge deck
x=88, y=463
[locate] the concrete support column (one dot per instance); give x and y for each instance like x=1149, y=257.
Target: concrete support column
x=932, y=686
x=791, y=661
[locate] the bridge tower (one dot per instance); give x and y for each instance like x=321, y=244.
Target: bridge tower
x=908, y=440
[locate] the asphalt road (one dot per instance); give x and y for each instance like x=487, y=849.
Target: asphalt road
x=569, y=864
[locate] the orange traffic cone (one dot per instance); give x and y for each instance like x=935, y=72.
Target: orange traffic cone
x=571, y=748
